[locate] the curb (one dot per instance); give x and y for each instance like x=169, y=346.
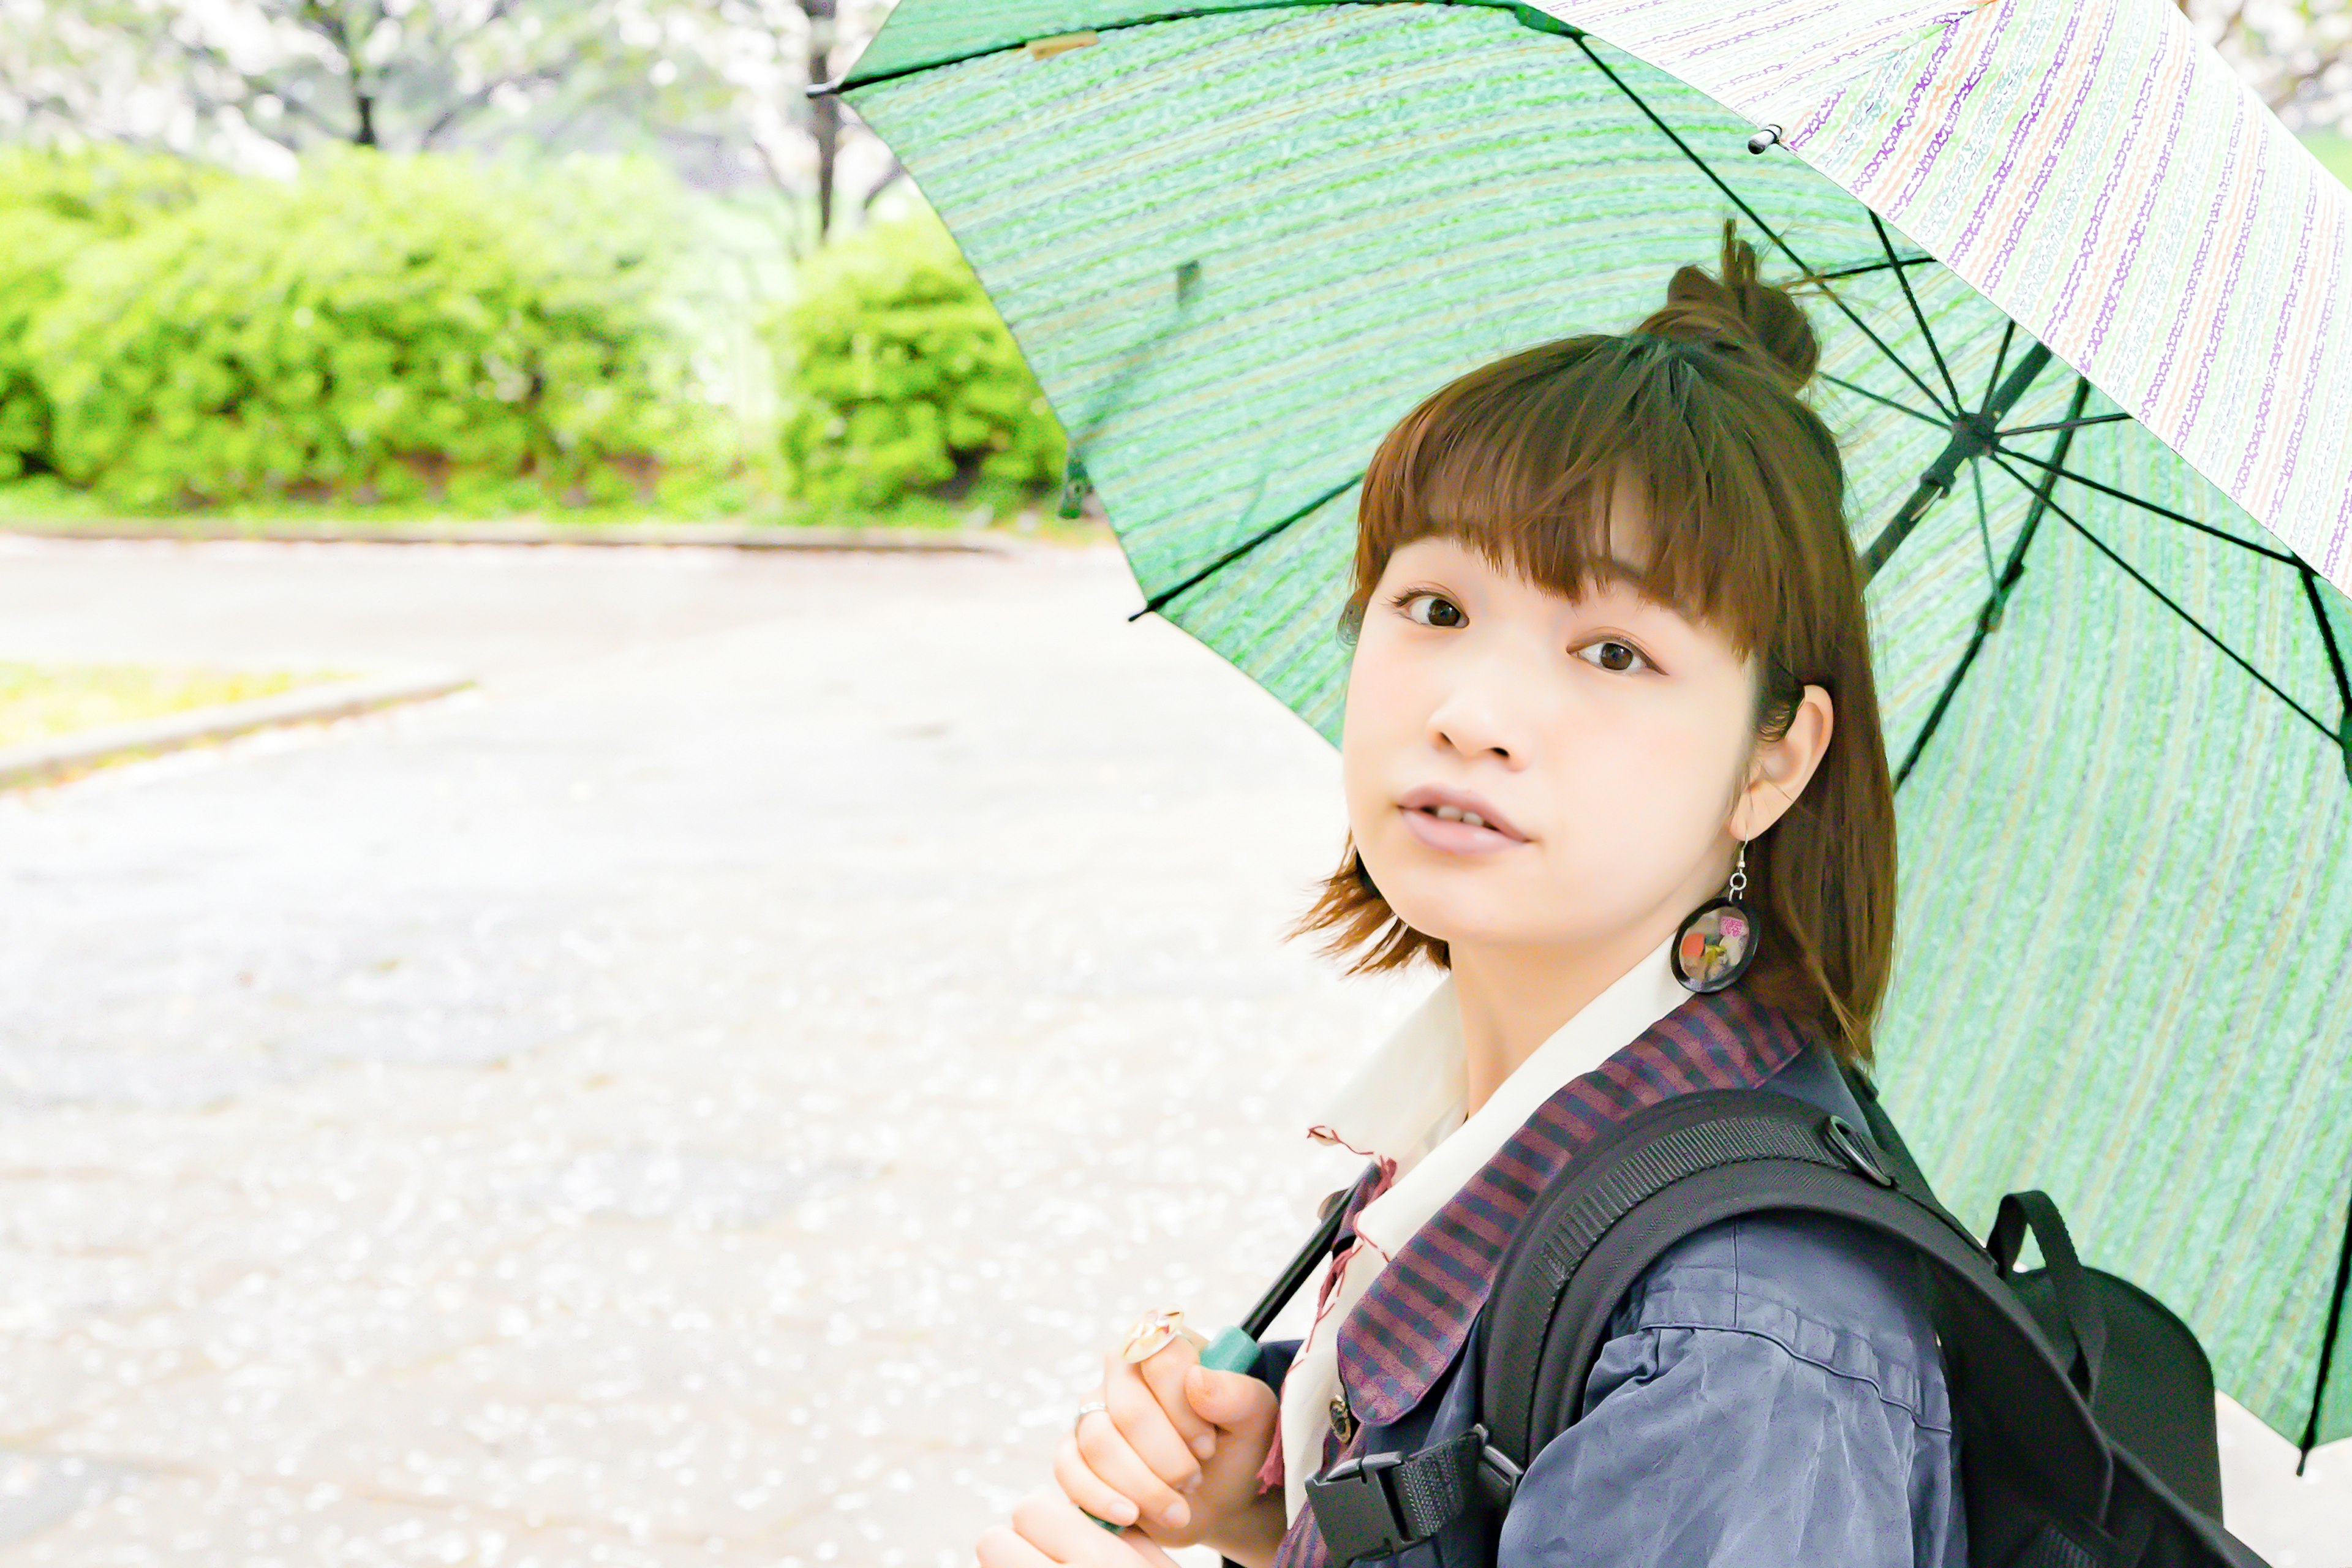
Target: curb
x=41, y=762
x=782, y=536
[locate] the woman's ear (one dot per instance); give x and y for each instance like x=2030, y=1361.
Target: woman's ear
x=1779, y=770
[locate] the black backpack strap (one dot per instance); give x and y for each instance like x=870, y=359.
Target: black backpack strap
x=1884, y=1135
x=1696, y=1160
x=2084, y=1322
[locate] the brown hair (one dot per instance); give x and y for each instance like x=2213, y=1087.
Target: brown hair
x=1746, y=498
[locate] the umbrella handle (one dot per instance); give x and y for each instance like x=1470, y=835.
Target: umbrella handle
x=1236, y=1349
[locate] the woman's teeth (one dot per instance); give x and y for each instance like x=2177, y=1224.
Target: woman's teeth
x=1455, y=813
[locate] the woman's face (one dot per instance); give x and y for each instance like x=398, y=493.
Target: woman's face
x=1606, y=739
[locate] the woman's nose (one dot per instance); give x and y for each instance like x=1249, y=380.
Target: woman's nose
x=1471, y=721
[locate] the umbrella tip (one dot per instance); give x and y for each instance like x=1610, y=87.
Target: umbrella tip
x=1763, y=139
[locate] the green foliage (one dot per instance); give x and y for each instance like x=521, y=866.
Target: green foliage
x=901, y=374
x=395, y=327
x=2333, y=150
x=54, y=205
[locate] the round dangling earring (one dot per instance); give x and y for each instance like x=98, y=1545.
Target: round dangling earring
x=1715, y=943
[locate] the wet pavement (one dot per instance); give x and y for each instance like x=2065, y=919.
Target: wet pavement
x=705, y=1096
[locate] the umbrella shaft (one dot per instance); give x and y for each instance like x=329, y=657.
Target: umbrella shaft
x=1973, y=434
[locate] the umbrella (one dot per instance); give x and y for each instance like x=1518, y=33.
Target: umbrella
x=2087, y=339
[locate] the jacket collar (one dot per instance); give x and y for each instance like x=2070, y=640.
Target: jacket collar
x=1416, y=1315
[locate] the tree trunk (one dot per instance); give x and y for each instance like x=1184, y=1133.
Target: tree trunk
x=824, y=113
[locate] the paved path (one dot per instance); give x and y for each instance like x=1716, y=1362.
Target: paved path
x=698, y=1099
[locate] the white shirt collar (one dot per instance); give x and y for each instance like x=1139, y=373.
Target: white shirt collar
x=1407, y=1102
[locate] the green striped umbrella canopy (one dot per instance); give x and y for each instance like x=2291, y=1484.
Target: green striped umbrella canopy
x=2078, y=278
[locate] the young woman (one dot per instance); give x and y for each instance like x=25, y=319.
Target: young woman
x=1610, y=663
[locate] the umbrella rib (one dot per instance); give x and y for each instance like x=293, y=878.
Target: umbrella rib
x=1999, y=362
x=1934, y=353
x=1160, y=600
x=1987, y=618
x=1874, y=397
x=2310, y=1439
x=2182, y=518
x=2066, y=424
x=1180, y=14
x=1984, y=527
x=1865, y=269
x=1985, y=622
x=2335, y=654
x=2171, y=604
x=1768, y=232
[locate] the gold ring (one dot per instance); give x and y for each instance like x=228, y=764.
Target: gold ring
x=1155, y=1331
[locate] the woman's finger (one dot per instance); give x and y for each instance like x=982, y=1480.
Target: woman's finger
x=1104, y=1445
x=1087, y=1490
x=1148, y=1427
x=1163, y=1373
x=1003, y=1548
x=1055, y=1527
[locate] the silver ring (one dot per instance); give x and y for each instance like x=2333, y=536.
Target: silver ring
x=1088, y=1408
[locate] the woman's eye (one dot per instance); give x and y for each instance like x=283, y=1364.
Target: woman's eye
x=1611, y=655
x=1429, y=610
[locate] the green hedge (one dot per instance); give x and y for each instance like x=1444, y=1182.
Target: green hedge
x=900, y=374
x=54, y=206
x=382, y=325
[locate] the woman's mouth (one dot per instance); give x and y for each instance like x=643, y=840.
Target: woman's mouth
x=1457, y=821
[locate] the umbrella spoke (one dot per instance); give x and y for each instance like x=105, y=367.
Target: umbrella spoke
x=1986, y=620
x=2060, y=469
x=2310, y=1438
x=1865, y=392
x=2173, y=604
x=1704, y=167
x=2335, y=654
x=1539, y=20
x=1934, y=353
x=2066, y=424
x=1999, y=360
x=1161, y=599
x=1864, y=268
x=1995, y=606
x=1984, y=526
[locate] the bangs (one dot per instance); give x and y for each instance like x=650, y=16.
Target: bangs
x=1531, y=459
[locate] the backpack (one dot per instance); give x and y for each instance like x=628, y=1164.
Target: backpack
x=2084, y=1408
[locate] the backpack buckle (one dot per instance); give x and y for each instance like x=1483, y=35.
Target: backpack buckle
x=1499, y=1478
x=1355, y=1512
x=1378, y=1505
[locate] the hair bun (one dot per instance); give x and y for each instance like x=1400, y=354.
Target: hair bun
x=1739, y=316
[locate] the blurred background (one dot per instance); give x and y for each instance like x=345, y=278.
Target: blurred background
x=610, y=949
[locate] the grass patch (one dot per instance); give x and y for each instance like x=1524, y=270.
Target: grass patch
x=42, y=504
x=41, y=700
x=42, y=501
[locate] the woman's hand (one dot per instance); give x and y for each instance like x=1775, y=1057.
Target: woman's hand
x=1048, y=1532
x=1176, y=1452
